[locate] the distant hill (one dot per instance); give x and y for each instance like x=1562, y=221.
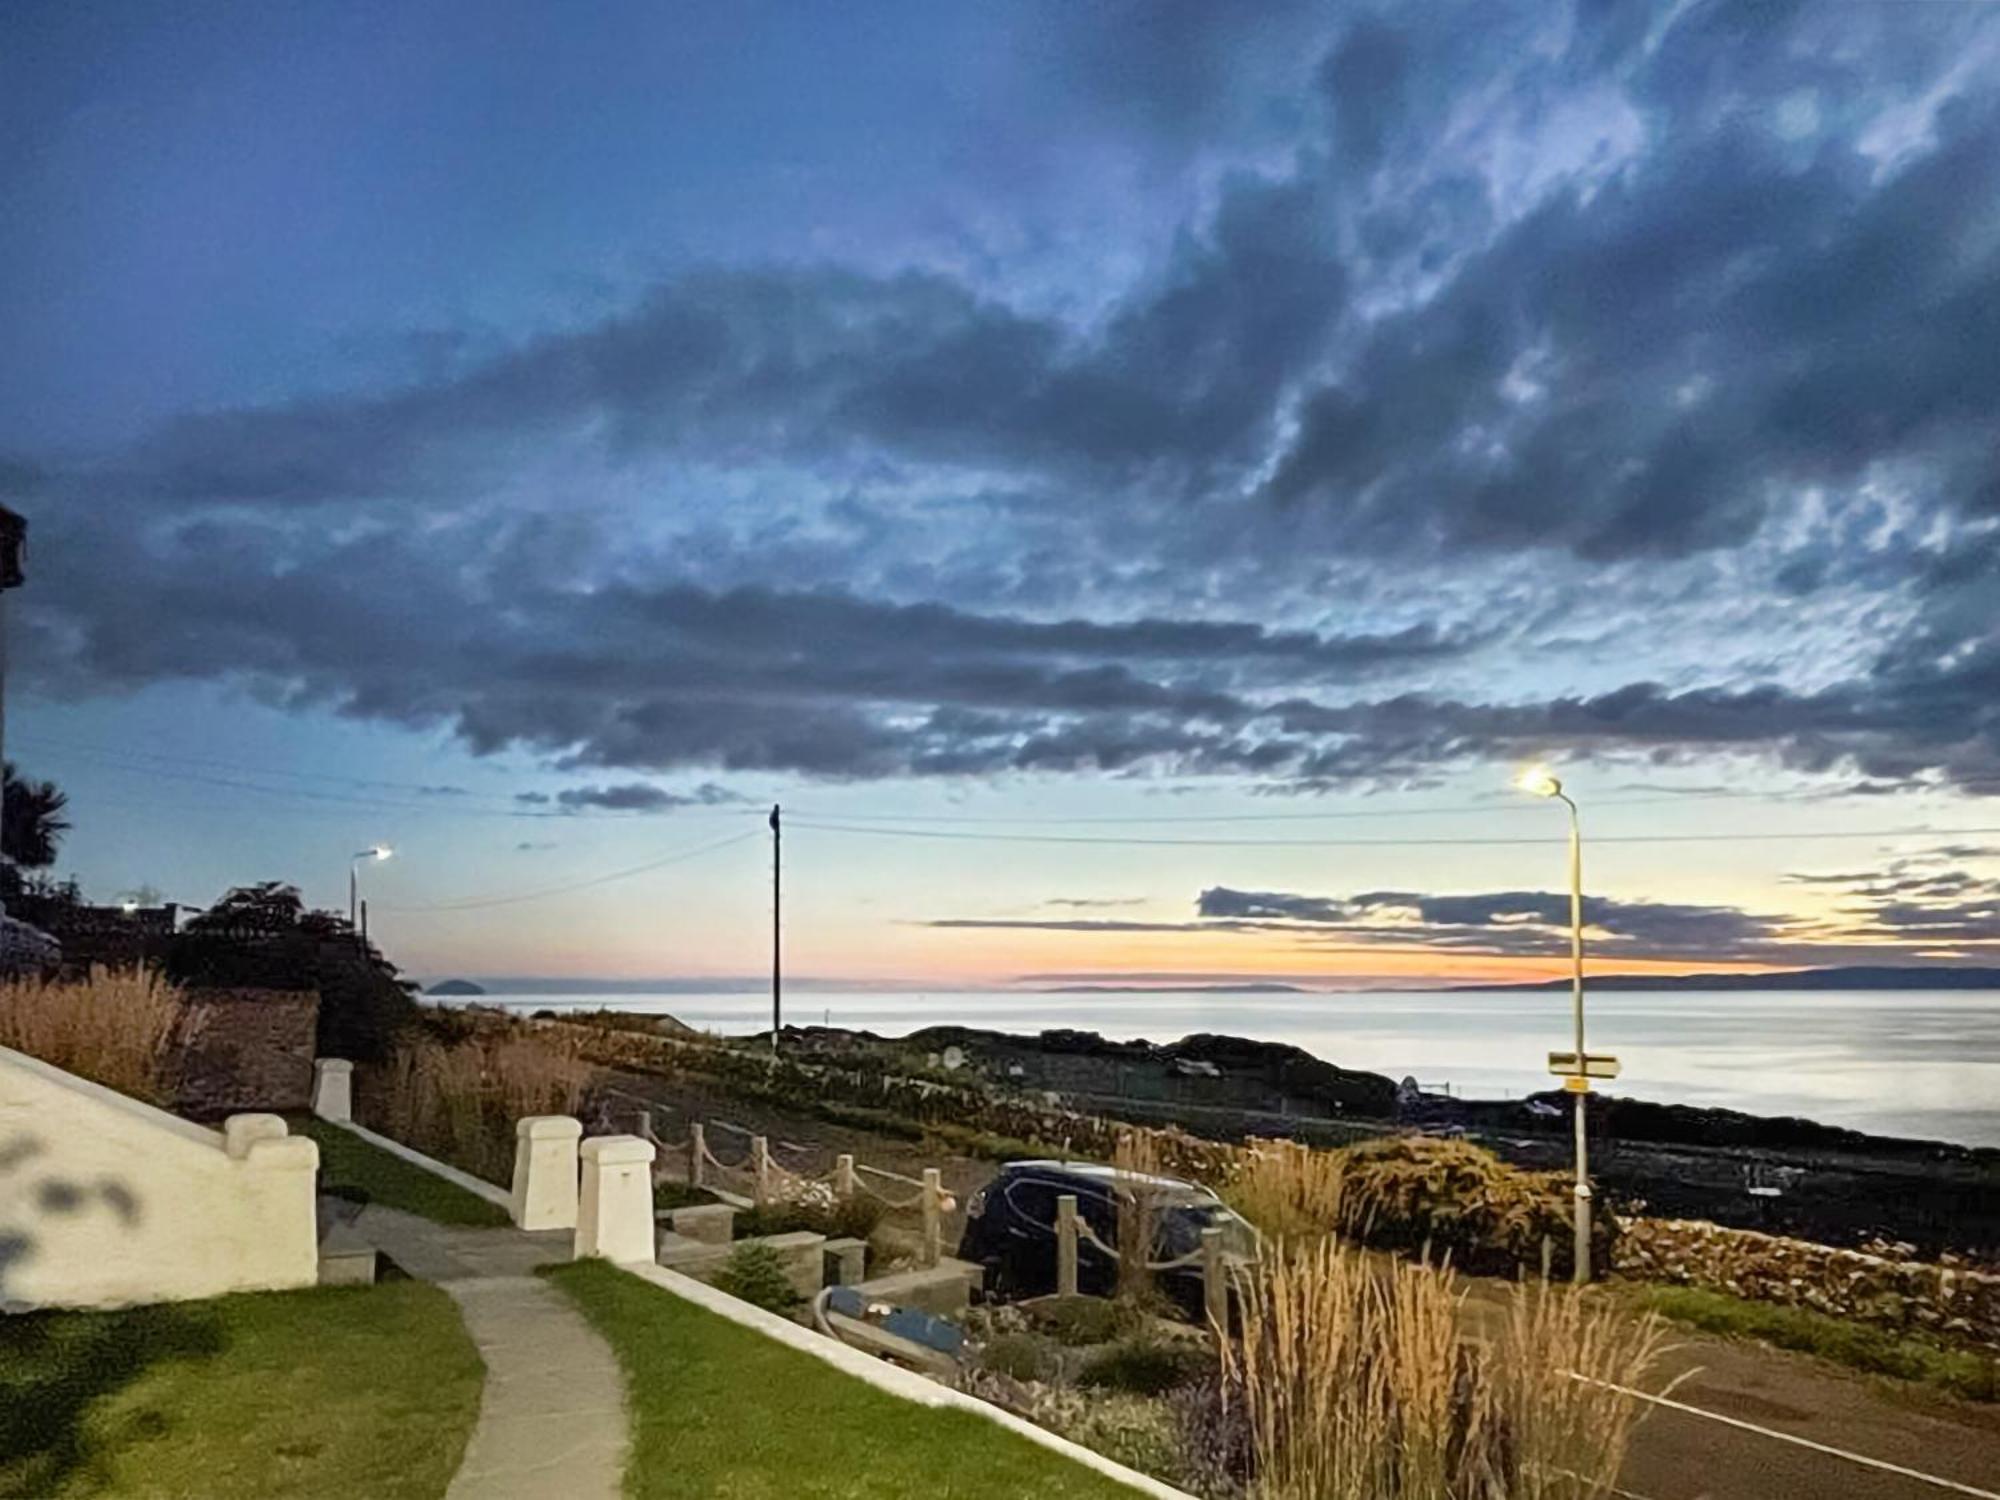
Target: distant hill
x=456, y=987
x=1853, y=977
x=1176, y=989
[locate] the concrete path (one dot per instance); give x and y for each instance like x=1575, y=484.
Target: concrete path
x=552, y=1421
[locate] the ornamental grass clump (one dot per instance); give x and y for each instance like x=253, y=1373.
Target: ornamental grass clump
x=460, y=1103
x=1357, y=1383
x=1288, y=1190
x=123, y=1028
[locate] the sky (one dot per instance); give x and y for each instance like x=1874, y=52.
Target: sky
x=1136, y=482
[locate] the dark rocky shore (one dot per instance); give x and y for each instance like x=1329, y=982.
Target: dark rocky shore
x=1787, y=1176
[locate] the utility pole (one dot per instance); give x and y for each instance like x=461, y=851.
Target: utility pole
x=777, y=895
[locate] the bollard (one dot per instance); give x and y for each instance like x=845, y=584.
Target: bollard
x=1214, y=1285
x=333, y=1089
x=1066, y=1245
x=933, y=1206
x=645, y=1130
x=843, y=1177
x=545, y=1165
x=760, y=1163
x=696, y=1148
x=614, y=1216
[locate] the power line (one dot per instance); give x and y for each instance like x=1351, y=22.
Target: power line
x=576, y=885
x=1448, y=843
x=442, y=805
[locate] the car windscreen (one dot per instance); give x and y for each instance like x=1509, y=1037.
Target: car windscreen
x=1180, y=1225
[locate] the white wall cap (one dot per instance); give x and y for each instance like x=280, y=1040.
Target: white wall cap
x=548, y=1127
x=241, y=1132
x=282, y=1153
x=616, y=1150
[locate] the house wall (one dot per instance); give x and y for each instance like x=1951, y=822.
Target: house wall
x=105, y=1201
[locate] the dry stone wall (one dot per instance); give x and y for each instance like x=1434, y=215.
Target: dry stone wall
x=247, y=1049
x=1936, y=1297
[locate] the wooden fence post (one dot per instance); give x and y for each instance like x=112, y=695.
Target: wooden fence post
x=843, y=1177
x=1066, y=1245
x=1214, y=1286
x=697, y=1148
x=933, y=1214
x=760, y=1162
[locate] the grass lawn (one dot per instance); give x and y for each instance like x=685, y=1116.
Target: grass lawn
x=1860, y=1346
x=347, y=1161
x=722, y=1411
x=335, y=1392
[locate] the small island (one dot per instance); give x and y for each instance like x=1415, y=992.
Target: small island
x=456, y=987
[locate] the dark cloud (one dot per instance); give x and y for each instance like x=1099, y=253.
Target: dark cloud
x=1526, y=922
x=643, y=796
x=1561, y=306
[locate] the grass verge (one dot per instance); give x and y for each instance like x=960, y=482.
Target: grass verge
x=1859, y=1346
x=720, y=1410
x=263, y=1396
x=348, y=1162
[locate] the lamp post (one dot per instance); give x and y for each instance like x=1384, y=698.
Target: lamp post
x=379, y=853
x=1539, y=782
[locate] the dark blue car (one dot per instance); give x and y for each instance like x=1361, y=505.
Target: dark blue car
x=1010, y=1228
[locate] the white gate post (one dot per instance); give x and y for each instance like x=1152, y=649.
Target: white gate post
x=333, y=1089
x=614, y=1217
x=545, y=1190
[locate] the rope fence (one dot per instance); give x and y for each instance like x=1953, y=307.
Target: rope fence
x=764, y=1179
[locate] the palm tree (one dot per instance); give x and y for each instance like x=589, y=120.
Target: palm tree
x=31, y=820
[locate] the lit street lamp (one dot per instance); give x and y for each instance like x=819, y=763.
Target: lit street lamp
x=378, y=853
x=1539, y=782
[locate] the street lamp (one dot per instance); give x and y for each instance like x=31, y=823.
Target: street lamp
x=379, y=853
x=1539, y=782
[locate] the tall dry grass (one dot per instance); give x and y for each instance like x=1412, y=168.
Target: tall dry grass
x=1136, y=1157
x=1288, y=1190
x=1359, y=1382
x=123, y=1028
x=460, y=1103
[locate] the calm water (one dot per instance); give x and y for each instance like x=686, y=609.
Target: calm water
x=1918, y=1063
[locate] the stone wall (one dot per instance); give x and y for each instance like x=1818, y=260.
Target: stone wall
x=247, y=1050
x=1889, y=1289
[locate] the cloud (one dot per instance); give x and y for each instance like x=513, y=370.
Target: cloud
x=642, y=796
x=1545, y=321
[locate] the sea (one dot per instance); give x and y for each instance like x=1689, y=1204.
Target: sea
x=1921, y=1063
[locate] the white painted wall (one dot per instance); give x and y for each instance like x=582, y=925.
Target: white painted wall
x=105, y=1201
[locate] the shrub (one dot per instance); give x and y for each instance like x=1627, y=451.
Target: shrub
x=123, y=1029
x=756, y=1273
x=1144, y=1366
x=836, y=1218
x=1019, y=1356
x=1084, y=1320
x=1409, y=1192
x=1358, y=1384
x=1130, y=1430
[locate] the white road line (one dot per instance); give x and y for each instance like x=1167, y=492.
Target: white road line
x=1786, y=1437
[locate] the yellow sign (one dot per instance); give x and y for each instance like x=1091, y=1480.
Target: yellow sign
x=1576, y=1085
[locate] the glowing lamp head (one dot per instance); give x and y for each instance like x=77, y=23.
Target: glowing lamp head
x=1537, y=781
x=382, y=851
x=128, y=906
